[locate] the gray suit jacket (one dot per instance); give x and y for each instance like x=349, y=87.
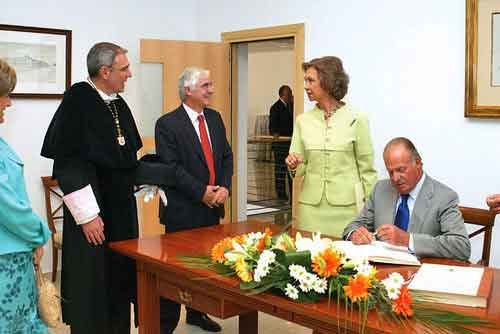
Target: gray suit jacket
x=436, y=223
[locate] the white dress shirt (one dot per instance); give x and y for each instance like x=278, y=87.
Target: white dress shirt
x=412, y=198
x=193, y=116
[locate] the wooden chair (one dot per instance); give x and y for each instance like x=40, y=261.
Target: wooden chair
x=51, y=189
x=486, y=219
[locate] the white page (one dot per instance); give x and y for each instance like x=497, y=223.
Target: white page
x=377, y=251
x=447, y=279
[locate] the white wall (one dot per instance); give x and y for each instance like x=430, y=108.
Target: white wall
x=92, y=21
x=406, y=62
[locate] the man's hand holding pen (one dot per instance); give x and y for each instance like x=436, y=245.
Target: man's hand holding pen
x=387, y=232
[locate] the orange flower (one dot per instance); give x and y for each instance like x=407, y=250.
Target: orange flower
x=357, y=288
x=261, y=245
x=224, y=246
x=240, y=238
x=326, y=264
x=402, y=305
x=220, y=249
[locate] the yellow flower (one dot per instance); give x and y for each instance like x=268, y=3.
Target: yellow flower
x=242, y=271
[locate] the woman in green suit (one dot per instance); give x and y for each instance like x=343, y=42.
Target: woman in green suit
x=331, y=148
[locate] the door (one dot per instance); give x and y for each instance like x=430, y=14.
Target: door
x=175, y=56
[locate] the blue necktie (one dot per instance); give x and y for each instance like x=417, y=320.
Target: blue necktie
x=403, y=214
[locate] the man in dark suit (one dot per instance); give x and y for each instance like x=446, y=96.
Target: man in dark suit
x=281, y=124
x=191, y=140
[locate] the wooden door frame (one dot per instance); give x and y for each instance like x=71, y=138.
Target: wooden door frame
x=295, y=31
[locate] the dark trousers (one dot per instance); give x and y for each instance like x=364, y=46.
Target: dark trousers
x=170, y=313
x=281, y=176
x=119, y=322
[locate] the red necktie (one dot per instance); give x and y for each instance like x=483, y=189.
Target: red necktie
x=207, y=150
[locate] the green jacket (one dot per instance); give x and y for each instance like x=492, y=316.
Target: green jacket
x=330, y=154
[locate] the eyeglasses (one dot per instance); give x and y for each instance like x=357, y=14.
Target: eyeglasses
x=123, y=69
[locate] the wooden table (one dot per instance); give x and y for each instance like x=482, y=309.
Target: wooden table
x=160, y=274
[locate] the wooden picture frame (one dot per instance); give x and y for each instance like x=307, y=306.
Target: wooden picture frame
x=482, y=95
x=41, y=58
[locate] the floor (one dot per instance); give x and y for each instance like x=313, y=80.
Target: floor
x=267, y=324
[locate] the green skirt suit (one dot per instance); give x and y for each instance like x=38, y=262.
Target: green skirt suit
x=337, y=155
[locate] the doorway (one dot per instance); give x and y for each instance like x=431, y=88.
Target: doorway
x=264, y=68
x=261, y=61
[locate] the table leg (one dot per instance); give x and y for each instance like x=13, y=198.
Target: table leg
x=248, y=323
x=149, y=302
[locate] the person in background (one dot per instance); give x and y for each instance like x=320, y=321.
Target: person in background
x=331, y=148
x=93, y=141
x=191, y=141
x=281, y=125
x=493, y=202
x=22, y=234
x=411, y=209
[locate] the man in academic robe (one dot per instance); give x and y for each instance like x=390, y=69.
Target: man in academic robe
x=93, y=141
x=191, y=141
x=281, y=125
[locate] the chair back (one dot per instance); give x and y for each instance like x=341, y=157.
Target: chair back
x=486, y=220
x=51, y=190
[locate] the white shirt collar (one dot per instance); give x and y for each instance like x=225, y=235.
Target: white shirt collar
x=283, y=102
x=193, y=115
x=416, y=190
x=106, y=98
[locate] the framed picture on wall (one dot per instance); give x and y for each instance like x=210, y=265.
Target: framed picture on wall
x=482, y=59
x=41, y=58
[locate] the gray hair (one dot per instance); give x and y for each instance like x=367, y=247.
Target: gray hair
x=8, y=78
x=407, y=144
x=102, y=54
x=189, y=78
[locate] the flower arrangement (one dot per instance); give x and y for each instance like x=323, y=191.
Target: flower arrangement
x=305, y=269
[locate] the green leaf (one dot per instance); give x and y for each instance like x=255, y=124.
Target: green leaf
x=302, y=258
x=280, y=256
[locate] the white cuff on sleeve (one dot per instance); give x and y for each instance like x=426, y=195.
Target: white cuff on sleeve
x=411, y=246
x=82, y=204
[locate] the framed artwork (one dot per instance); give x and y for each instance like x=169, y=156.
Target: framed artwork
x=41, y=58
x=482, y=59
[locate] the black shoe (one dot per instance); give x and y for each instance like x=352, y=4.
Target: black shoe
x=204, y=322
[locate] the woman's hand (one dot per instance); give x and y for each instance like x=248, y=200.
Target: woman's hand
x=293, y=160
x=37, y=256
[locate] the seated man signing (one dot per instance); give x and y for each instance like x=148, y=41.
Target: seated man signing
x=411, y=209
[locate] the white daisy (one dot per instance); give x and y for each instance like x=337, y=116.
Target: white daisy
x=291, y=291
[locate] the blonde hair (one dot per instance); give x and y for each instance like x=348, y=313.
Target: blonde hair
x=8, y=78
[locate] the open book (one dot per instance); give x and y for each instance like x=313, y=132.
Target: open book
x=466, y=286
x=378, y=251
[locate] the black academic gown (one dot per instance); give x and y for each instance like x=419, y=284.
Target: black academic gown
x=97, y=284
